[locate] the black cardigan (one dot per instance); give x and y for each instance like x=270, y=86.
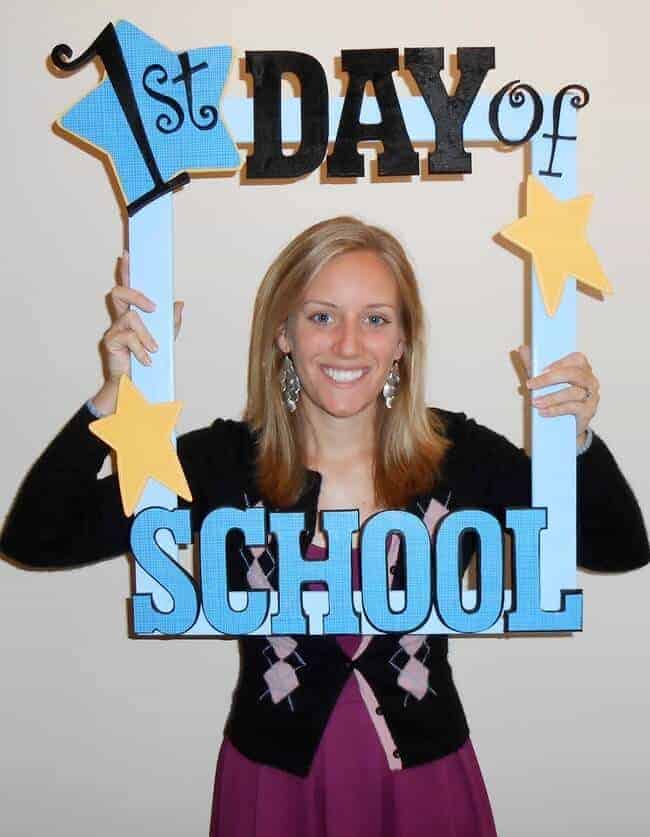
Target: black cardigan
x=64, y=516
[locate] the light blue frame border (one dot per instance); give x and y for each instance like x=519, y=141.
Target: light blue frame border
x=553, y=439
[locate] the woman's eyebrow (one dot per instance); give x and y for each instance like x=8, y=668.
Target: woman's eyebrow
x=333, y=305
x=320, y=302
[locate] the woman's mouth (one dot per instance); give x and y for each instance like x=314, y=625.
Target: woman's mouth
x=344, y=376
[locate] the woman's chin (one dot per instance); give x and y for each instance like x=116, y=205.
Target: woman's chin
x=346, y=406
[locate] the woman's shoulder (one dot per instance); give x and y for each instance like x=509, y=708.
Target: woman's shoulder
x=224, y=438
x=471, y=438
x=453, y=424
x=216, y=457
x=451, y=420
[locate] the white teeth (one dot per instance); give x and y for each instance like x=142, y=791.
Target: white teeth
x=343, y=375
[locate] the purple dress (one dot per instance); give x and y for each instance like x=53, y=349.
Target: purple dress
x=350, y=788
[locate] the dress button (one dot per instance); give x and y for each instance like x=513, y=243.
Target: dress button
x=349, y=665
x=379, y=710
x=396, y=754
x=393, y=570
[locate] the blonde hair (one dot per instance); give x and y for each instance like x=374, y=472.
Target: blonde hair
x=409, y=440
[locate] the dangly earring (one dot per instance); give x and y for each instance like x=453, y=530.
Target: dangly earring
x=289, y=384
x=391, y=387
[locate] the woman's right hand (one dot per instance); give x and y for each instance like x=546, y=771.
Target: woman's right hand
x=127, y=335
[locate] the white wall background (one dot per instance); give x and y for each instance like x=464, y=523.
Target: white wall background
x=100, y=734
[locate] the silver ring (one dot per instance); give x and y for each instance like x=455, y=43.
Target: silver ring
x=588, y=394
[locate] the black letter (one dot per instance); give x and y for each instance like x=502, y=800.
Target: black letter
x=517, y=98
x=577, y=103
x=163, y=120
x=206, y=111
x=398, y=157
x=267, y=159
x=449, y=112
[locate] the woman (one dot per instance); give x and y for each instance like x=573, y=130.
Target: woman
x=335, y=419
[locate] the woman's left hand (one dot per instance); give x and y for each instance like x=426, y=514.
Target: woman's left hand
x=579, y=399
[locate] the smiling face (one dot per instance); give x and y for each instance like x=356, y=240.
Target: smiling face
x=345, y=334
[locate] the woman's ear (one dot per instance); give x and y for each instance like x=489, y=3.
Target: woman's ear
x=282, y=340
x=400, y=349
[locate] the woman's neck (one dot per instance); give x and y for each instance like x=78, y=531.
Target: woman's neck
x=333, y=440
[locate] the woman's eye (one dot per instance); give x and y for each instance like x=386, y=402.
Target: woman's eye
x=321, y=317
x=376, y=319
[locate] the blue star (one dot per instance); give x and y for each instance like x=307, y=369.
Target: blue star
x=154, y=113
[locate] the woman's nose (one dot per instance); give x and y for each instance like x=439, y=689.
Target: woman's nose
x=349, y=338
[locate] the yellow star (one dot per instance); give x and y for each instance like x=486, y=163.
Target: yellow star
x=140, y=435
x=554, y=233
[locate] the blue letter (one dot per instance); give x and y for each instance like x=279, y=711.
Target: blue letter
x=449, y=593
x=146, y=617
x=374, y=578
x=527, y=615
x=336, y=571
x=214, y=578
